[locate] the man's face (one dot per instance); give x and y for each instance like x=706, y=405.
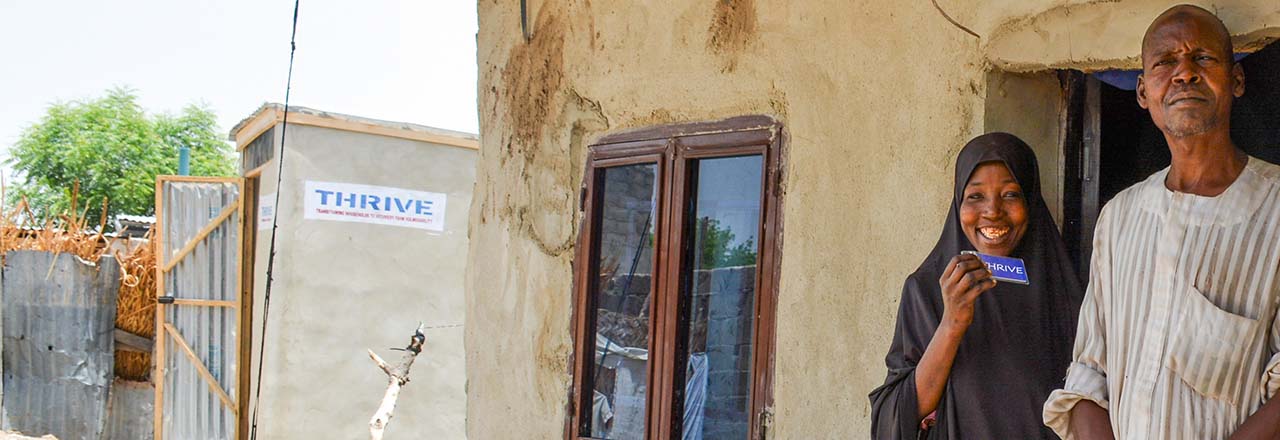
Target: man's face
x=1188, y=80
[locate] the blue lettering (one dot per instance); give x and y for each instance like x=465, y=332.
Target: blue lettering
x=422, y=208
x=350, y=199
x=369, y=202
x=401, y=205
x=324, y=196
x=998, y=267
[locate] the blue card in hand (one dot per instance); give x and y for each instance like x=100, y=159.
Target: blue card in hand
x=1007, y=269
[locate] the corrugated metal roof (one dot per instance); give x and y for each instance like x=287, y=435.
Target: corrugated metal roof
x=137, y=218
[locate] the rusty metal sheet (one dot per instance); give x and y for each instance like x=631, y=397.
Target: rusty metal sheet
x=59, y=314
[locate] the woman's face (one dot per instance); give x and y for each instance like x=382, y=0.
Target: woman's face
x=993, y=212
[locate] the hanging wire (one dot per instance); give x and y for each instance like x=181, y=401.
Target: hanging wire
x=953, y=21
x=275, y=220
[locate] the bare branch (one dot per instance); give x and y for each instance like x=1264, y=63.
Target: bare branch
x=396, y=377
x=381, y=364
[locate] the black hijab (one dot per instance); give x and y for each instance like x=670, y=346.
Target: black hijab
x=1016, y=350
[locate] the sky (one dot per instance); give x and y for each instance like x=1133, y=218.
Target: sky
x=398, y=60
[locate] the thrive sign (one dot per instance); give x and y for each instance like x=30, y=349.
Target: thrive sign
x=347, y=202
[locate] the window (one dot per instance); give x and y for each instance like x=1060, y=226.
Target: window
x=259, y=151
x=675, y=282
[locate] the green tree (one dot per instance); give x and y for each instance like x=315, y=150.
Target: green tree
x=714, y=243
x=115, y=150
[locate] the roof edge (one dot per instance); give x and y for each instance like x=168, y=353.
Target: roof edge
x=270, y=114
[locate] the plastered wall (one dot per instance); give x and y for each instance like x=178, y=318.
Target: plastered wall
x=1030, y=106
x=876, y=97
x=341, y=288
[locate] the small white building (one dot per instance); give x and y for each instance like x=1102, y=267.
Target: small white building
x=371, y=239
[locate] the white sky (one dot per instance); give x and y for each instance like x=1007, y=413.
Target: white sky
x=399, y=60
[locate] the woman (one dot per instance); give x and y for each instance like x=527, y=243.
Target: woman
x=973, y=358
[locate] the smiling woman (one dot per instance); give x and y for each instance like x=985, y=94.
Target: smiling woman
x=966, y=347
x=994, y=212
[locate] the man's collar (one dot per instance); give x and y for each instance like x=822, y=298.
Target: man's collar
x=1236, y=204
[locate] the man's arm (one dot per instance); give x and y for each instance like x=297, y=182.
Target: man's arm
x=1080, y=409
x=1090, y=422
x=1262, y=425
x=1265, y=424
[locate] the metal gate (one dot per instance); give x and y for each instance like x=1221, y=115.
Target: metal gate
x=200, y=223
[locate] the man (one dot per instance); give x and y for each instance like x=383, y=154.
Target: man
x=1178, y=334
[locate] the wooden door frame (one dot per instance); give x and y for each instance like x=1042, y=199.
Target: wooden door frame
x=248, y=255
x=163, y=328
x=1082, y=154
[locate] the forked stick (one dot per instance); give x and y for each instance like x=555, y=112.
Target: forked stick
x=396, y=377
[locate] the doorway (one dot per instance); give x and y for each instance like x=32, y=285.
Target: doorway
x=250, y=246
x=1111, y=144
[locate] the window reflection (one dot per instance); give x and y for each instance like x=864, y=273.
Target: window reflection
x=621, y=295
x=718, y=293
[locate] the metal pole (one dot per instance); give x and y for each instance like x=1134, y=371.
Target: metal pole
x=184, y=161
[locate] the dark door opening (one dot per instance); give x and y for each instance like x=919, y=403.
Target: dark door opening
x=1111, y=143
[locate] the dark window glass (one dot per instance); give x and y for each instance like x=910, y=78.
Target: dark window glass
x=621, y=297
x=719, y=293
x=674, y=282
x=259, y=151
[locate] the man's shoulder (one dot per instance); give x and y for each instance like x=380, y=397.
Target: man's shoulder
x=1264, y=190
x=1130, y=198
x=1269, y=172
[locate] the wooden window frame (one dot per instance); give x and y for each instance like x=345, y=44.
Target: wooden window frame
x=672, y=149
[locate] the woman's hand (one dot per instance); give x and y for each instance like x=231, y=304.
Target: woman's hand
x=962, y=281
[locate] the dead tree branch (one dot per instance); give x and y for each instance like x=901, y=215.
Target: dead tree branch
x=397, y=377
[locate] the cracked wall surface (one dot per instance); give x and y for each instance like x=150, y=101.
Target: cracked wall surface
x=1099, y=34
x=876, y=97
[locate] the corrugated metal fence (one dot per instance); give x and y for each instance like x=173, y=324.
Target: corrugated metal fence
x=59, y=316
x=200, y=224
x=132, y=410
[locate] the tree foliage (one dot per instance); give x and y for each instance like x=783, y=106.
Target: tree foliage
x=115, y=150
x=717, y=249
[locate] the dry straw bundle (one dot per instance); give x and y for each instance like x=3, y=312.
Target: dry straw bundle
x=62, y=234
x=69, y=233
x=136, y=306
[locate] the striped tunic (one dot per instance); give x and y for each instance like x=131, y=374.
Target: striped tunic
x=1178, y=333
